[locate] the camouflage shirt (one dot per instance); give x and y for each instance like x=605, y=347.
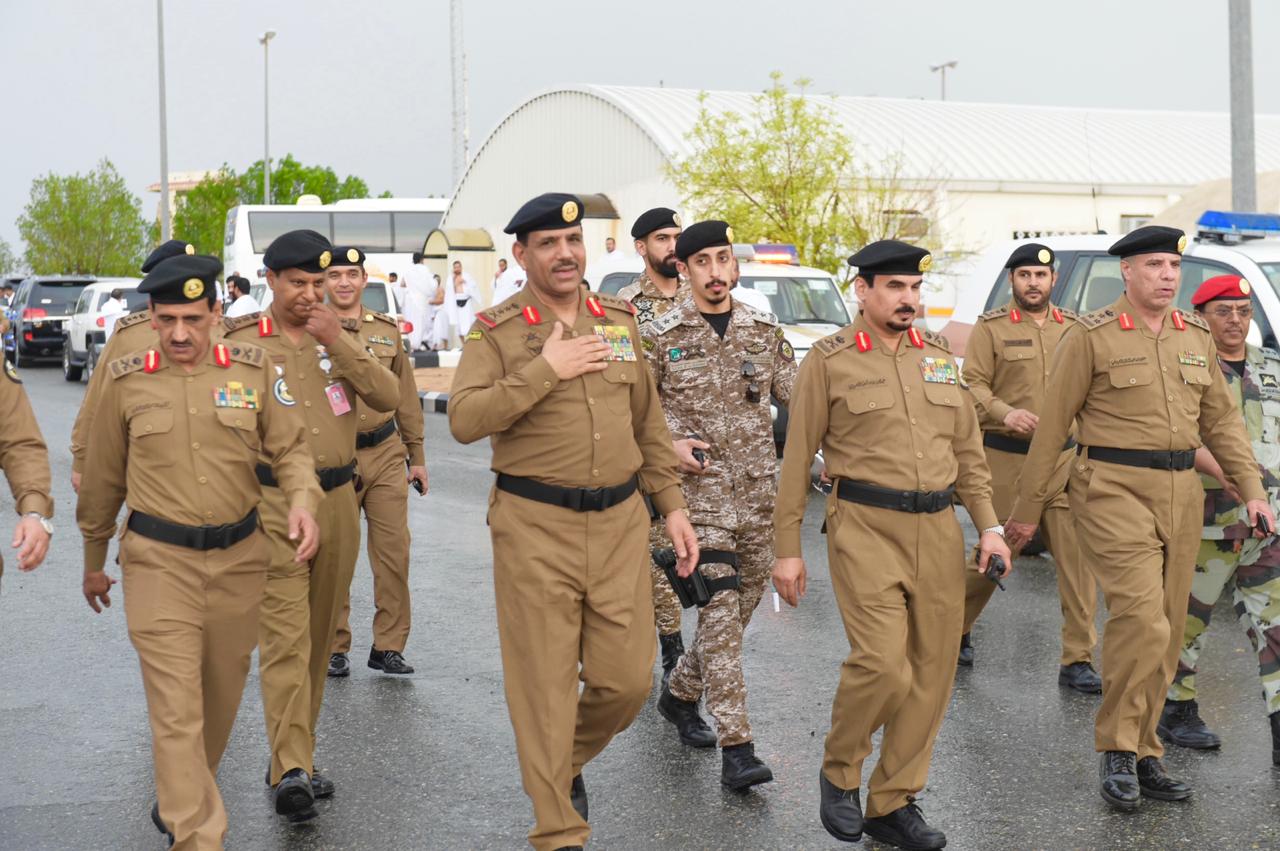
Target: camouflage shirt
x=649, y=301
x=719, y=390
x=1257, y=395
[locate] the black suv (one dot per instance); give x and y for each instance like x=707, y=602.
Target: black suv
x=40, y=311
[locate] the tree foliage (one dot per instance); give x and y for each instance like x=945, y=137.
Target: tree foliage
x=8, y=261
x=200, y=217
x=787, y=172
x=89, y=224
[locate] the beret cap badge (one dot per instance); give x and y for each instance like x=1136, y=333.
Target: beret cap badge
x=325, y=259
x=926, y=262
x=353, y=255
x=569, y=211
x=193, y=288
x=1044, y=256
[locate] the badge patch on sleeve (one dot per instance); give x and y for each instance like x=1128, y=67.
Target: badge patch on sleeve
x=475, y=334
x=939, y=371
x=619, y=340
x=1192, y=359
x=281, y=391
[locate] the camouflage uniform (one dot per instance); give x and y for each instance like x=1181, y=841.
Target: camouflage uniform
x=1229, y=554
x=650, y=303
x=705, y=390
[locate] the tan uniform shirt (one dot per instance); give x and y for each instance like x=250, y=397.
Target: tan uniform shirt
x=1007, y=360
x=322, y=383
x=183, y=446
x=704, y=389
x=133, y=333
x=649, y=301
x=1129, y=388
x=895, y=419
x=23, y=454
x=380, y=336
x=596, y=430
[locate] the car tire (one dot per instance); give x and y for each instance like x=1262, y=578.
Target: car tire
x=90, y=363
x=70, y=371
x=19, y=359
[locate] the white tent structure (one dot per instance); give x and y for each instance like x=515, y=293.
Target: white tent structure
x=999, y=170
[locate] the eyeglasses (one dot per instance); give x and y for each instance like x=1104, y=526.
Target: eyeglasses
x=753, y=389
x=1227, y=312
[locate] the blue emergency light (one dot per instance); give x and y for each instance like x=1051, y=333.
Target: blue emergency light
x=1233, y=227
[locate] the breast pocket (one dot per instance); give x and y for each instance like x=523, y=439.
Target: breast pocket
x=151, y=429
x=1018, y=354
x=944, y=403
x=1197, y=376
x=870, y=400
x=619, y=379
x=1131, y=375
x=241, y=422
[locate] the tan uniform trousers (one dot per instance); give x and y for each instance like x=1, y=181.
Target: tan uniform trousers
x=1077, y=587
x=384, y=498
x=666, y=605
x=1139, y=529
x=899, y=583
x=193, y=620
x=299, y=616
x=574, y=603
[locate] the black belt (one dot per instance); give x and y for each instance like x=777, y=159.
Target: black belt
x=724, y=583
x=193, y=537
x=578, y=499
x=366, y=439
x=330, y=477
x=1156, y=459
x=913, y=502
x=1005, y=443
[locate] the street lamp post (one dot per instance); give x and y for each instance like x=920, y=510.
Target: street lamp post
x=942, y=69
x=266, y=119
x=166, y=228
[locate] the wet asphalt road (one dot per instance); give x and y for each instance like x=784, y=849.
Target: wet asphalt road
x=428, y=761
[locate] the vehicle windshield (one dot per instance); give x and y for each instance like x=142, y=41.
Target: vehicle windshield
x=1272, y=271
x=135, y=300
x=55, y=299
x=799, y=301
x=375, y=298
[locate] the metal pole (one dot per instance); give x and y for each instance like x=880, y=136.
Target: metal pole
x=266, y=122
x=166, y=227
x=944, y=82
x=1244, y=176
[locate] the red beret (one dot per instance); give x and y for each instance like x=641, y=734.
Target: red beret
x=1221, y=286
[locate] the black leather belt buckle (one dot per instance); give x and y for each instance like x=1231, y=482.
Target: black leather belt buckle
x=588, y=499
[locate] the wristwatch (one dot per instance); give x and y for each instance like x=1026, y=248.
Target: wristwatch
x=999, y=530
x=45, y=522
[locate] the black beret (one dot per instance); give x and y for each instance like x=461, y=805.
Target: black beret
x=347, y=256
x=182, y=279
x=891, y=257
x=655, y=219
x=164, y=251
x=1151, y=239
x=1031, y=254
x=298, y=249
x=700, y=235
x=550, y=211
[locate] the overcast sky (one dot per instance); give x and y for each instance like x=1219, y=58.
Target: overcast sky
x=364, y=86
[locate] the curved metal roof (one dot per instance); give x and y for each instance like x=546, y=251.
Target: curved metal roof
x=978, y=142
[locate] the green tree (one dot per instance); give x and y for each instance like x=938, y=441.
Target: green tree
x=201, y=213
x=8, y=262
x=89, y=224
x=291, y=179
x=787, y=172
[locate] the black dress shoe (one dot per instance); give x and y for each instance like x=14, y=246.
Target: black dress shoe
x=1118, y=771
x=569, y=848
x=672, y=647
x=1080, y=676
x=840, y=810
x=388, y=661
x=1275, y=738
x=321, y=786
x=339, y=666
x=1181, y=724
x=578, y=796
x=693, y=731
x=905, y=827
x=293, y=797
x=966, y=652
x=740, y=768
x=160, y=826
x=1156, y=783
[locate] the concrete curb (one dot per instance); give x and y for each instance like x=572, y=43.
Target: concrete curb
x=434, y=403
x=436, y=359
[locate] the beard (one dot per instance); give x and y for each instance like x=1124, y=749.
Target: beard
x=667, y=267
x=1040, y=302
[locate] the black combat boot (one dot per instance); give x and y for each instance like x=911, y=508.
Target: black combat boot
x=1275, y=738
x=294, y=797
x=966, y=651
x=388, y=661
x=160, y=826
x=905, y=827
x=694, y=732
x=1181, y=724
x=1118, y=771
x=741, y=769
x=1080, y=676
x=339, y=665
x=672, y=647
x=578, y=796
x=1156, y=783
x=840, y=810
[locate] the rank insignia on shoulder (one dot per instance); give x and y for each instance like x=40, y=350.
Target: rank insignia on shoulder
x=594, y=307
x=1057, y=315
x=1178, y=322
x=151, y=361
x=531, y=315
x=221, y=356
x=939, y=371
x=863, y=341
x=475, y=334
x=1126, y=321
x=264, y=326
x=914, y=336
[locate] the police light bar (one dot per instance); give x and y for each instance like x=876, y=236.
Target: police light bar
x=1227, y=226
x=777, y=252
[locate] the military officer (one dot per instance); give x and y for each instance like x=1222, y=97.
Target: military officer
x=894, y=544
x=553, y=377
x=716, y=364
x=24, y=458
x=177, y=436
x=654, y=293
x=1006, y=365
x=1229, y=554
x=385, y=444
x=133, y=332
x=321, y=368
x=1136, y=378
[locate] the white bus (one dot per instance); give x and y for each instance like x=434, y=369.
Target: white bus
x=388, y=230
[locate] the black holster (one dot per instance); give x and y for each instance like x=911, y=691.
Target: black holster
x=696, y=589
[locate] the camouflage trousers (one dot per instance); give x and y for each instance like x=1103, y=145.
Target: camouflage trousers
x=1251, y=568
x=713, y=665
x=666, y=605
